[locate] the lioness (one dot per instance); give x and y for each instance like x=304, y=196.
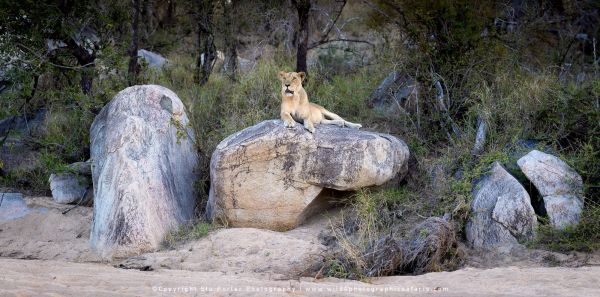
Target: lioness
x=295, y=105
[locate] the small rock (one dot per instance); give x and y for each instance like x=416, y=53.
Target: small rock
x=550, y=175
x=71, y=188
x=563, y=210
x=560, y=186
x=82, y=168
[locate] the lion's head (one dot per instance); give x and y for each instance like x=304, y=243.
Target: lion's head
x=291, y=82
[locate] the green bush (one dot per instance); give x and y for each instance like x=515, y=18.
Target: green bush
x=584, y=237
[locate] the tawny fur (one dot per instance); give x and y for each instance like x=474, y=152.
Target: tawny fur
x=296, y=108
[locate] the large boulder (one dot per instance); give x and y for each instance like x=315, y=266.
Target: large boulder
x=143, y=170
x=501, y=212
x=560, y=186
x=268, y=176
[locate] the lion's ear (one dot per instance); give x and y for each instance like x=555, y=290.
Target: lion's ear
x=302, y=75
x=281, y=75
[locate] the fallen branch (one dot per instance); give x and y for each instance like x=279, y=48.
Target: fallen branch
x=405, y=113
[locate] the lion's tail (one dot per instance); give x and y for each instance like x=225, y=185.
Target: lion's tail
x=335, y=117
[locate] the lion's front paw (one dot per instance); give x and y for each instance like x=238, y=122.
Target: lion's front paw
x=288, y=124
x=309, y=126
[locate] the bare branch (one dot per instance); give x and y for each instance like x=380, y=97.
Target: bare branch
x=337, y=17
x=43, y=59
x=321, y=42
x=378, y=9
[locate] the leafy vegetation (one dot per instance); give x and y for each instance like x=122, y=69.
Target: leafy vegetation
x=529, y=71
x=584, y=237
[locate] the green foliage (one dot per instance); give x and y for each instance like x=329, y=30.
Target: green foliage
x=505, y=79
x=63, y=137
x=181, y=130
x=444, y=31
x=584, y=237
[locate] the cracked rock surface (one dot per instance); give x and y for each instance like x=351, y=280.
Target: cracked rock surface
x=269, y=176
x=501, y=212
x=143, y=170
x=559, y=184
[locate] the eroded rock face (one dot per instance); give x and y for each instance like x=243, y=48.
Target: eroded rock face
x=560, y=186
x=268, y=176
x=501, y=212
x=143, y=170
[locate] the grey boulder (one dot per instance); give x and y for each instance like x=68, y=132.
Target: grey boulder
x=154, y=60
x=501, y=211
x=70, y=188
x=12, y=206
x=269, y=176
x=143, y=170
x=396, y=93
x=560, y=186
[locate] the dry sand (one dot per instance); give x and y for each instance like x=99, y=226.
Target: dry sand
x=46, y=253
x=57, y=278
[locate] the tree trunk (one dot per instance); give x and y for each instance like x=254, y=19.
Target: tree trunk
x=171, y=13
x=303, y=8
x=86, y=60
x=133, y=47
x=206, y=45
x=147, y=14
x=231, y=57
